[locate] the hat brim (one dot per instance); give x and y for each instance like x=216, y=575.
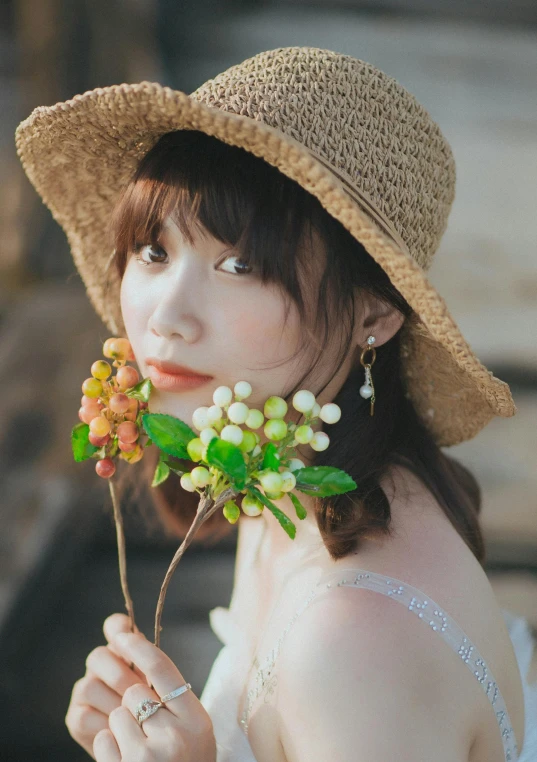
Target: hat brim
x=81, y=154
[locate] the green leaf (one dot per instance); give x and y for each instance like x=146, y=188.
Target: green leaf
x=229, y=459
x=175, y=470
x=170, y=434
x=174, y=464
x=284, y=520
x=141, y=391
x=322, y=481
x=270, y=457
x=80, y=444
x=162, y=472
x=299, y=508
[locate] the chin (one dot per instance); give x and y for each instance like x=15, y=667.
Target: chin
x=174, y=404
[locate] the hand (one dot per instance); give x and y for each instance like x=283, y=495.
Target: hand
x=101, y=689
x=180, y=731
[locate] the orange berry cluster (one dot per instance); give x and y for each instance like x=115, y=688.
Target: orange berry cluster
x=110, y=413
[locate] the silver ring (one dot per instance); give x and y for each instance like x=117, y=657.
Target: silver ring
x=149, y=706
x=175, y=693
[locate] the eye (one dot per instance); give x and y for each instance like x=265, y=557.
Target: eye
x=149, y=254
x=243, y=268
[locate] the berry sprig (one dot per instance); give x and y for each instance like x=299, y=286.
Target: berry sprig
x=229, y=460
x=271, y=466
x=111, y=408
x=111, y=411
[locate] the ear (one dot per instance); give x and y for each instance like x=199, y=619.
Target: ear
x=375, y=318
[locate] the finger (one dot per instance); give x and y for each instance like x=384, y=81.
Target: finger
x=161, y=720
x=105, y=748
x=159, y=668
x=128, y=734
x=111, y=669
x=83, y=722
x=117, y=623
x=91, y=691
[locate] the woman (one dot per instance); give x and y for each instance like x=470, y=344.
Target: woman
x=276, y=226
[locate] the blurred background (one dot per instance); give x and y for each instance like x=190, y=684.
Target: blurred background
x=473, y=66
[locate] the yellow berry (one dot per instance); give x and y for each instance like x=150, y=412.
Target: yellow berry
x=134, y=456
x=303, y=434
x=101, y=370
x=251, y=506
x=231, y=511
x=275, y=407
x=118, y=349
x=200, y=476
x=275, y=429
x=207, y=434
x=187, y=483
x=249, y=441
x=288, y=481
x=233, y=434
x=319, y=441
x=100, y=426
x=255, y=418
x=92, y=388
x=271, y=481
x=303, y=401
x=194, y=448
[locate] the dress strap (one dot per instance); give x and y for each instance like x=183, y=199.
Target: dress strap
x=425, y=609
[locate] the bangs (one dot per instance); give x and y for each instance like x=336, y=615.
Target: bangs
x=223, y=191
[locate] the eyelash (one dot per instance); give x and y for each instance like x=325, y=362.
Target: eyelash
x=138, y=257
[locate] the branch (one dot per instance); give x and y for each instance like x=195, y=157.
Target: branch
x=122, y=555
x=206, y=508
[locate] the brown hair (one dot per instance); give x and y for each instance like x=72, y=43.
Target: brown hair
x=245, y=202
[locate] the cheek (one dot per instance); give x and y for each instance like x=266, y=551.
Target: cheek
x=135, y=309
x=261, y=336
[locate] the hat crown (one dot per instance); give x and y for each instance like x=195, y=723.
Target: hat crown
x=361, y=121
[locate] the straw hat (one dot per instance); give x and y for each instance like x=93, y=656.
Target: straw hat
x=345, y=131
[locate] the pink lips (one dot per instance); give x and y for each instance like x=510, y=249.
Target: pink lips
x=169, y=377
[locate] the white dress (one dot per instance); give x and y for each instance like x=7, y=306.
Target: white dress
x=226, y=680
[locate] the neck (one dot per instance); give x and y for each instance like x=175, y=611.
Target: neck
x=307, y=541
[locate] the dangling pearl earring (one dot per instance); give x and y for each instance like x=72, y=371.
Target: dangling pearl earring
x=367, y=391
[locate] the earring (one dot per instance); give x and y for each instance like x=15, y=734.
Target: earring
x=367, y=391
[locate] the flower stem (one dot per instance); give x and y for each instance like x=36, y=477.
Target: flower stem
x=120, y=534
x=207, y=506
x=121, y=553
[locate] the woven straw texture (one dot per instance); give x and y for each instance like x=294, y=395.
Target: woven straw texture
x=345, y=131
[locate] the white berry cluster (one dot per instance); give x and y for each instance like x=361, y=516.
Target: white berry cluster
x=224, y=419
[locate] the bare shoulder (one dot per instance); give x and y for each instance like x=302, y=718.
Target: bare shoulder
x=357, y=673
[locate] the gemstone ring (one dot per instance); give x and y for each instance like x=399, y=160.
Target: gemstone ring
x=146, y=708
x=149, y=706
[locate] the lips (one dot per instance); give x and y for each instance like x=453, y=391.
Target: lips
x=167, y=376
x=171, y=368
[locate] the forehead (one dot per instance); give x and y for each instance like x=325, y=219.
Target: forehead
x=171, y=228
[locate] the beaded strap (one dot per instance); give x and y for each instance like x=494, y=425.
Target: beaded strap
x=430, y=613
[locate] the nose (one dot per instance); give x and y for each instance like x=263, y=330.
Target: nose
x=177, y=310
